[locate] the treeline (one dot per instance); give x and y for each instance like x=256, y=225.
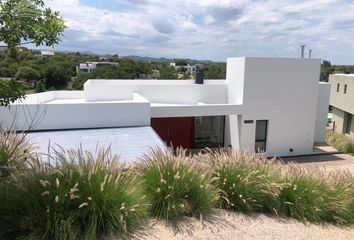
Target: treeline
x=327, y=68
x=41, y=72
x=58, y=72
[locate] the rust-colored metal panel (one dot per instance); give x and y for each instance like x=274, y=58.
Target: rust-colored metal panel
x=175, y=131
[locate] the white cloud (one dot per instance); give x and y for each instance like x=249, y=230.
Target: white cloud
x=211, y=29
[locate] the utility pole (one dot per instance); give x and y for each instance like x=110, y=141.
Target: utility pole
x=302, y=50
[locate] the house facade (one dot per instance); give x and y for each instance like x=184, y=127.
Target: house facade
x=90, y=66
x=342, y=103
x=188, y=69
x=273, y=105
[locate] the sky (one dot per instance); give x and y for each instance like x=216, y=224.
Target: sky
x=209, y=29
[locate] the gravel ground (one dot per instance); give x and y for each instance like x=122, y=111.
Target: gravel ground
x=229, y=225
x=331, y=162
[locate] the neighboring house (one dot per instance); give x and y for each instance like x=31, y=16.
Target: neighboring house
x=90, y=66
x=46, y=53
x=342, y=103
x=188, y=69
x=275, y=105
x=154, y=74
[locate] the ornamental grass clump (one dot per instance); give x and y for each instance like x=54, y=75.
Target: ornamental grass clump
x=314, y=197
x=15, y=152
x=175, y=186
x=247, y=182
x=341, y=142
x=82, y=197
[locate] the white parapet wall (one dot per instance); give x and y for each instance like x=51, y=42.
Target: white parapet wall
x=158, y=91
x=62, y=110
x=322, y=112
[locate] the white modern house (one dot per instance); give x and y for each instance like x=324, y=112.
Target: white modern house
x=90, y=66
x=275, y=105
x=189, y=69
x=46, y=53
x=342, y=103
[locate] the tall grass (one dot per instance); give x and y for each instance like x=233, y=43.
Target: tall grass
x=95, y=196
x=340, y=142
x=252, y=183
x=248, y=187
x=83, y=197
x=315, y=198
x=15, y=150
x=246, y=183
x=176, y=187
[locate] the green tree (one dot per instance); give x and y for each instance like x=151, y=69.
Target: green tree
x=39, y=87
x=27, y=73
x=10, y=91
x=326, y=69
x=7, y=72
x=31, y=21
x=215, y=71
x=181, y=62
x=167, y=72
x=79, y=80
x=56, y=76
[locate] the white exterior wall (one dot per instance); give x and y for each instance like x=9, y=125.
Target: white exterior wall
x=235, y=73
x=158, y=91
x=338, y=120
x=284, y=92
x=69, y=115
x=339, y=99
x=322, y=112
x=194, y=110
x=342, y=102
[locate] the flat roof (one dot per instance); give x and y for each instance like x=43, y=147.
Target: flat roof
x=129, y=143
x=82, y=100
x=344, y=74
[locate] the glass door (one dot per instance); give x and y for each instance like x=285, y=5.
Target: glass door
x=261, y=136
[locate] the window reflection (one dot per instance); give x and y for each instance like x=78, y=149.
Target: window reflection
x=209, y=131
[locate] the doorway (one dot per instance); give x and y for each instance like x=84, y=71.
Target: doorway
x=261, y=136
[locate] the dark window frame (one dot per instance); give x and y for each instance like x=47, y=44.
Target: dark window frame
x=337, y=87
x=348, y=125
x=345, y=88
x=262, y=140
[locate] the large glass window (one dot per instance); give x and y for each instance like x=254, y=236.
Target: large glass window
x=209, y=131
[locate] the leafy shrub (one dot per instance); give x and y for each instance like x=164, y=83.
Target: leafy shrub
x=340, y=142
x=83, y=197
x=175, y=187
x=246, y=183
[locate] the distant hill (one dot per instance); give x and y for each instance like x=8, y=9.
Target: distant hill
x=134, y=57
x=163, y=59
